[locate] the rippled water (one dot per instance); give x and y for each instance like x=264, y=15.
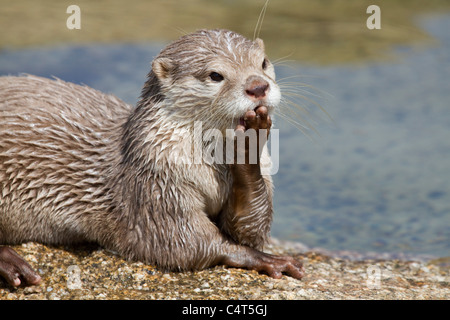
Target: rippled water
x=377, y=178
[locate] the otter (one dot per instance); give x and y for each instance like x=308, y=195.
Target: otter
x=77, y=165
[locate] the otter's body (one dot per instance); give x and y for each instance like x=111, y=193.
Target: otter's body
x=77, y=165
x=58, y=148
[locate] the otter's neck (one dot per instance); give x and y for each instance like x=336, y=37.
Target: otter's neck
x=155, y=133
x=151, y=92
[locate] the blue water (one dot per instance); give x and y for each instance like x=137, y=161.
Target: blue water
x=376, y=178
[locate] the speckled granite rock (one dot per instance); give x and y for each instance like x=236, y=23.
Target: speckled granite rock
x=89, y=272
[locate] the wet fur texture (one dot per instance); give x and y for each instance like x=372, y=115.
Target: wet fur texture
x=78, y=165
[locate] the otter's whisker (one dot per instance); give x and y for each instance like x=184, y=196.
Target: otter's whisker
x=281, y=61
x=304, y=128
x=260, y=20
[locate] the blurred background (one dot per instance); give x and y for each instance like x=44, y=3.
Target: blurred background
x=369, y=167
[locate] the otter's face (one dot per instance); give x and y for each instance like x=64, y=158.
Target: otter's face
x=216, y=76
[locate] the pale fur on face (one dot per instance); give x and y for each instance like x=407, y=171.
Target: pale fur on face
x=184, y=67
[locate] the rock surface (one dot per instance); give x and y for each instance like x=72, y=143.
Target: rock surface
x=89, y=272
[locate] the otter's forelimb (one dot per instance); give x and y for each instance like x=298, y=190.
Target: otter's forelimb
x=15, y=270
x=248, y=216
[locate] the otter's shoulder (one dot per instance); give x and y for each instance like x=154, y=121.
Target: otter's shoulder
x=55, y=95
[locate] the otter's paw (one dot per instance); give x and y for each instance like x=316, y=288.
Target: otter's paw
x=256, y=119
x=259, y=122
x=273, y=266
x=15, y=270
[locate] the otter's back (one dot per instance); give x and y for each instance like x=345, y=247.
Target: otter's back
x=56, y=141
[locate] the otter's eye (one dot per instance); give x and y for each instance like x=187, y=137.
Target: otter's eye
x=217, y=77
x=264, y=64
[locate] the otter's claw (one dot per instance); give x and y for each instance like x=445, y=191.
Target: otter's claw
x=273, y=266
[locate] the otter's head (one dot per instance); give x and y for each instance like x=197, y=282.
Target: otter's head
x=214, y=76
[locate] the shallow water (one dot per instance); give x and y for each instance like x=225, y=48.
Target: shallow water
x=378, y=177
x=375, y=179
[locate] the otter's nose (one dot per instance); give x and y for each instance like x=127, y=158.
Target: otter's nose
x=256, y=87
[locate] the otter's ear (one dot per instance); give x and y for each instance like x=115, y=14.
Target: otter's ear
x=260, y=43
x=162, y=67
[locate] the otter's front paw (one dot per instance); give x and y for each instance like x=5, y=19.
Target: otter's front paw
x=248, y=151
x=273, y=266
x=256, y=119
x=15, y=270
